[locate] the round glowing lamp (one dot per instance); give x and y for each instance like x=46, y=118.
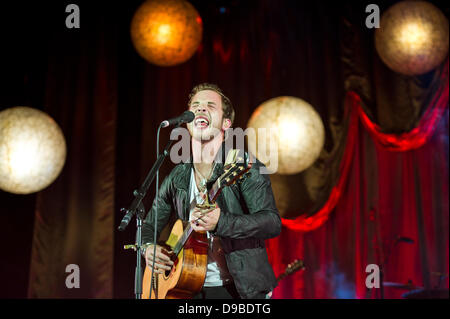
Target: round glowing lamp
x=296, y=130
x=413, y=37
x=32, y=150
x=166, y=32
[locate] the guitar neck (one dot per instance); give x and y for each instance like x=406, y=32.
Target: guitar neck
x=292, y=268
x=281, y=277
x=214, y=191
x=183, y=239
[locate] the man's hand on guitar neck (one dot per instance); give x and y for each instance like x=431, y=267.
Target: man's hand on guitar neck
x=205, y=220
x=162, y=261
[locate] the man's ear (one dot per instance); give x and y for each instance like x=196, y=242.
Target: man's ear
x=226, y=124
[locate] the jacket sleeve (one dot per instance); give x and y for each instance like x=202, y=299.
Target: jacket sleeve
x=164, y=211
x=263, y=220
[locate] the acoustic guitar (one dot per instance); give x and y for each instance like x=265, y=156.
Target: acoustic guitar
x=188, y=249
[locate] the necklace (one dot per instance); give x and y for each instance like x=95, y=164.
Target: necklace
x=202, y=183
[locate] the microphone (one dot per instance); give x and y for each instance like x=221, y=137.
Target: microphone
x=186, y=117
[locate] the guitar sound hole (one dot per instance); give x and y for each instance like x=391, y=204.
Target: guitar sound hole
x=167, y=273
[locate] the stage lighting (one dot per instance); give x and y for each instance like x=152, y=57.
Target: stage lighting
x=413, y=37
x=32, y=150
x=166, y=32
x=298, y=132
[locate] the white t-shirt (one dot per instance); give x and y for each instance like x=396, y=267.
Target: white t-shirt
x=217, y=272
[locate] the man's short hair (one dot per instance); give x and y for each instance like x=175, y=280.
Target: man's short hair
x=227, y=107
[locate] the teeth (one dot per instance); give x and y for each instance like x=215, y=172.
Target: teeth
x=201, y=121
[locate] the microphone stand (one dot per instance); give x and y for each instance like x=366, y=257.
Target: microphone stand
x=137, y=208
x=383, y=266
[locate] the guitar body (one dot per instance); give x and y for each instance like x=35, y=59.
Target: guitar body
x=188, y=272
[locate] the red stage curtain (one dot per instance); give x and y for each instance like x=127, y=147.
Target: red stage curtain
x=391, y=142
x=420, y=134
x=384, y=195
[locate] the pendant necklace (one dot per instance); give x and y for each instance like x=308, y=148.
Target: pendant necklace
x=202, y=183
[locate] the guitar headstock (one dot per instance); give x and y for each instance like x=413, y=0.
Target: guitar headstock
x=294, y=266
x=234, y=172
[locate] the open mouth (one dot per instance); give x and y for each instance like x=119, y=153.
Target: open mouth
x=201, y=122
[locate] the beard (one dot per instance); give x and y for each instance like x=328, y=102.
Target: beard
x=204, y=134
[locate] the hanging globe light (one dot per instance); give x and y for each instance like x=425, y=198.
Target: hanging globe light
x=413, y=37
x=296, y=129
x=166, y=32
x=32, y=150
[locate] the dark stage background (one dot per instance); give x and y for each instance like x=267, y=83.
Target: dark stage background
x=109, y=102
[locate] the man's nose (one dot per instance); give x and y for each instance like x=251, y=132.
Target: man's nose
x=201, y=109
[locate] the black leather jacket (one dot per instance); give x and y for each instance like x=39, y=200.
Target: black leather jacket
x=248, y=217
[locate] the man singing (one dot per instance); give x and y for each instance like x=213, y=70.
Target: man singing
x=245, y=214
